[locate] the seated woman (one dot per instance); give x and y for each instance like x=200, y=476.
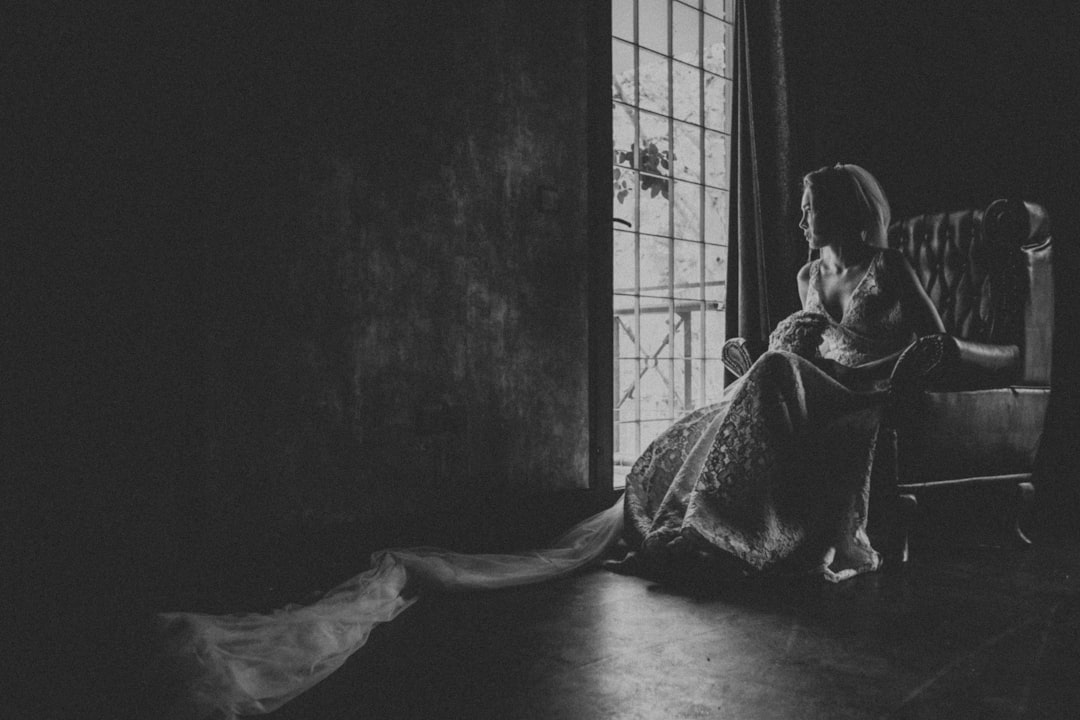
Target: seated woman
x=776, y=476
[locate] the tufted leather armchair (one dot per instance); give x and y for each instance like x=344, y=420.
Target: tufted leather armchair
x=970, y=403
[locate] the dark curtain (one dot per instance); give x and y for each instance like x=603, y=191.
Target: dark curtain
x=764, y=249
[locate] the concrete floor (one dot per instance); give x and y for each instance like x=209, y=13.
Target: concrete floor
x=976, y=633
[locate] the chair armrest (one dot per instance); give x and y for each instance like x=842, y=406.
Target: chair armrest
x=924, y=360
x=949, y=363
x=738, y=354
x=996, y=361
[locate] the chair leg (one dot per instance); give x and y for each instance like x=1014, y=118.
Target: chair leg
x=905, y=506
x=1025, y=496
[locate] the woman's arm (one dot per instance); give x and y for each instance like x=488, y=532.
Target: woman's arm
x=918, y=309
x=919, y=313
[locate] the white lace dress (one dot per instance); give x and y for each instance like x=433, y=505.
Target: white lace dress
x=776, y=477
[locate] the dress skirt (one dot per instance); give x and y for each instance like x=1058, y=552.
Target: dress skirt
x=775, y=478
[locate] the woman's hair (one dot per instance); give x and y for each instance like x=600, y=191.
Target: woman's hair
x=850, y=200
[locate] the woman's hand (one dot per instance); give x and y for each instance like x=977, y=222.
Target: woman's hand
x=800, y=333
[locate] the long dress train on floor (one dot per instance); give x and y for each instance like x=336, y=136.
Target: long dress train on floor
x=775, y=477
x=248, y=664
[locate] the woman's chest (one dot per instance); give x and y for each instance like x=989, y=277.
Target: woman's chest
x=854, y=301
x=836, y=292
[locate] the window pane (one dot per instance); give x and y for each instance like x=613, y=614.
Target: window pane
x=686, y=37
x=687, y=151
x=623, y=129
x=687, y=211
x=655, y=266
x=714, y=330
x=717, y=102
x=626, y=379
x=625, y=262
x=697, y=367
x=656, y=387
x=626, y=443
x=651, y=430
x=688, y=276
x=623, y=76
x=716, y=158
x=688, y=386
x=654, y=91
x=697, y=338
x=655, y=208
x=716, y=216
x=686, y=315
x=628, y=368
x=714, y=381
x=653, y=24
x=686, y=93
x=624, y=197
x=654, y=340
x=626, y=328
x=622, y=19
x=626, y=338
x=717, y=47
x=655, y=150
x=715, y=271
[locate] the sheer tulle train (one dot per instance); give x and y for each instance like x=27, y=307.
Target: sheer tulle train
x=248, y=664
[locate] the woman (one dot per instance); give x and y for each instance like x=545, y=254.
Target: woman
x=775, y=477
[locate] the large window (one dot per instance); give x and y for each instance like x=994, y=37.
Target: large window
x=671, y=123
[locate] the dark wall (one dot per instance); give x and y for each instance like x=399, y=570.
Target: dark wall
x=948, y=103
x=291, y=266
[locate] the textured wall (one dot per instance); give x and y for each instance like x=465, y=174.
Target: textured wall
x=394, y=317
x=292, y=269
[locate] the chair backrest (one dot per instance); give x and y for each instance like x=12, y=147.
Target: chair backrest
x=989, y=274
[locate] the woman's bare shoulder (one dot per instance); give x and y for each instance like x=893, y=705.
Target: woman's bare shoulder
x=894, y=263
x=803, y=281
x=892, y=257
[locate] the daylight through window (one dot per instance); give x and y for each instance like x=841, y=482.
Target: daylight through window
x=671, y=115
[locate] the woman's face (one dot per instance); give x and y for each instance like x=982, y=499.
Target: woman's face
x=810, y=223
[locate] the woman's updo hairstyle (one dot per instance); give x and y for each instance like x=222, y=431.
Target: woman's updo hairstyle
x=850, y=201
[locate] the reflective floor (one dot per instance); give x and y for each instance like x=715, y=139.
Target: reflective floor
x=962, y=631
x=971, y=633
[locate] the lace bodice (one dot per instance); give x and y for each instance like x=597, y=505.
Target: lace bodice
x=873, y=325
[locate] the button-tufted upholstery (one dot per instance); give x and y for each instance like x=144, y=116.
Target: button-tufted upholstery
x=980, y=421
x=988, y=273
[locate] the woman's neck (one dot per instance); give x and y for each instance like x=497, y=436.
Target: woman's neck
x=839, y=256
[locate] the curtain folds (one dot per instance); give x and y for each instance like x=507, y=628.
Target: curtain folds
x=764, y=254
